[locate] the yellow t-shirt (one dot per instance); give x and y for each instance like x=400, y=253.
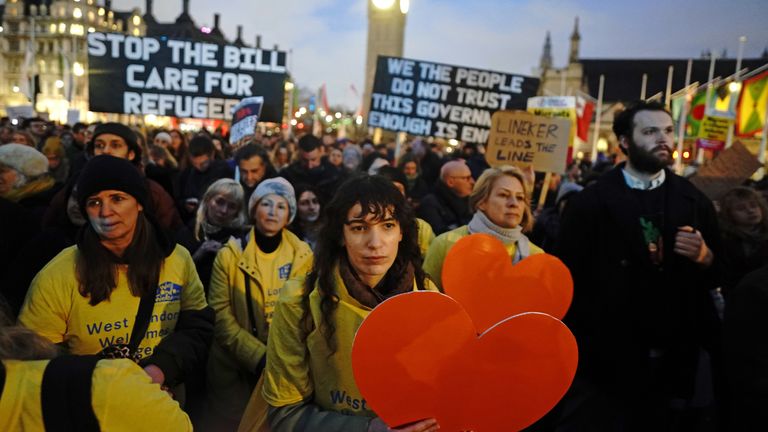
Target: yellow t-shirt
x=298, y=369
x=55, y=309
x=122, y=394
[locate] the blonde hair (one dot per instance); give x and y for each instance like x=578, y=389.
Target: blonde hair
x=227, y=187
x=484, y=185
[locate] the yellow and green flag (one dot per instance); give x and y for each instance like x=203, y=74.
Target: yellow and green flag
x=752, y=106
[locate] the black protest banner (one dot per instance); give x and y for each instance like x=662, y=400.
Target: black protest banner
x=451, y=102
x=180, y=78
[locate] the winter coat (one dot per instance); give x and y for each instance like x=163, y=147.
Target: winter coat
x=443, y=210
x=625, y=308
x=237, y=353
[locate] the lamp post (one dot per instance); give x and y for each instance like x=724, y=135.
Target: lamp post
x=386, y=36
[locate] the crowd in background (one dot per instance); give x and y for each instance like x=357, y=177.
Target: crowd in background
x=232, y=222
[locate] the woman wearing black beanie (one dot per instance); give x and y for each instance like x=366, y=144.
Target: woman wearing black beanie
x=123, y=290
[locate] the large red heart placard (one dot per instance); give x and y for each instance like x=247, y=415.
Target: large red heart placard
x=479, y=274
x=504, y=379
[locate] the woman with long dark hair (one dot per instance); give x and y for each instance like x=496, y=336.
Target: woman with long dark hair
x=366, y=252
x=123, y=290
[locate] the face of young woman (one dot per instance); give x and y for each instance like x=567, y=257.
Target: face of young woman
x=222, y=209
x=747, y=213
x=505, y=205
x=371, y=244
x=308, y=207
x=336, y=157
x=271, y=214
x=113, y=214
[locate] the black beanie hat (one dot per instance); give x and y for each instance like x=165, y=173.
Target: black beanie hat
x=120, y=130
x=107, y=172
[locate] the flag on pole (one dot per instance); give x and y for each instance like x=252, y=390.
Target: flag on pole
x=751, y=114
x=324, y=99
x=585, y=107
x=723, y=103
x=28, y=71
x=696, y=113
x=67, y=77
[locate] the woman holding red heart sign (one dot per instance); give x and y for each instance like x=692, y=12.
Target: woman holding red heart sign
x=500, y=202
x=367, y=252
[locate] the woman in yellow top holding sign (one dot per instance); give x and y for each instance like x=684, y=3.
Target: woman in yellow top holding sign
x=500, y=202
x=123, y=290
x=367, y=251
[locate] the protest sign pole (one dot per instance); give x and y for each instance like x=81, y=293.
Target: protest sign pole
x=544, y=190
x=683, y=118
x=399, y=139
x=598, y=118
x=737, y=86
x=761, y=150
x=643, y=86
x=668, y=93
x=710, y=87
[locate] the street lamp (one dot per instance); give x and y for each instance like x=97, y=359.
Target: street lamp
x=386, y=37
x=77, y=69
x=383, y=4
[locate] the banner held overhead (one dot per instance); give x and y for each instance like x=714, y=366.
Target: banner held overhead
x=451, y=102
x=181, y=78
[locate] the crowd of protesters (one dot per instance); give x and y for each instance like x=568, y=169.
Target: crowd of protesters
x=233, y=276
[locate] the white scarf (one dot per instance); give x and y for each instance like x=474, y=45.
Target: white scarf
x=481, y=224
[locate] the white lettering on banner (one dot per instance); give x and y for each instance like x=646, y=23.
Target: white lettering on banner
x=193, y=53
x=400, y=66
x=435, y=72
x=394, y=104
x=453, y=113
x=402, y=86
x=432, y=90
x=251, y=59
x=412, y=125
x=446, y=130
x=177, y=105
x=174, y=79
x=231, y=84
x=135, y=48
x=482, y=99
x=489, y=80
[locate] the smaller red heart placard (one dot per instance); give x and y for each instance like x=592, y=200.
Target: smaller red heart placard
x=478, y=273
x=503, y=380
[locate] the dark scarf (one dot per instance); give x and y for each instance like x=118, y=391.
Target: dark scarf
x=268, y=244
x=398, y=280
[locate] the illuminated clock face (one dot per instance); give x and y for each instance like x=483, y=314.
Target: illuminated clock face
x=383, y=4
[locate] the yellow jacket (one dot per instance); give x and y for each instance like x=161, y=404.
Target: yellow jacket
x=301, y=366
x=426, y=235
x=433, y=261
x=123, y=398
x=236, y=352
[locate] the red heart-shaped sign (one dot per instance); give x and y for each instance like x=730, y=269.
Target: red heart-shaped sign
x=479, y=274
x=503, y=380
